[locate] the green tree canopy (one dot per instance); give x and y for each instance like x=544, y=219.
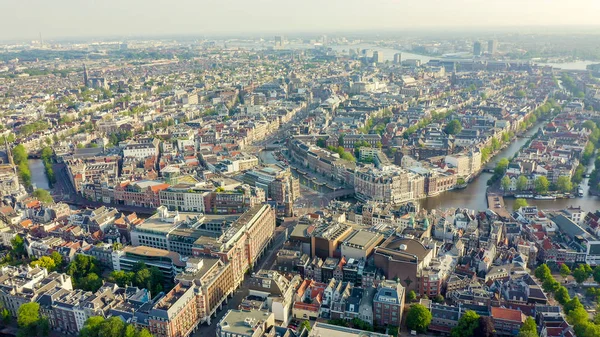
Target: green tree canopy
x=519, y=202
x=582, y=273
x=505, y=183
x=467, y=324
x=564, y=270
x=485, y=327
x=521, y=183
x=45, y=262
x=418, y=318
x=541, y=184
x=564, y=184
x=28, y=315
x=573, y=304
x=542, y=272
x=454, y=127
x=550, y=285
x=596, y=274
x=562, y=295
x=43, y=195
x=18, y=245
x=411, y=296
x=528, y=327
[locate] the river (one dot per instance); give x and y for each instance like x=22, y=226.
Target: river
x=38, y=174
x=474, y=195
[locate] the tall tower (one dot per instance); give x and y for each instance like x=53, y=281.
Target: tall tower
x=492, y=47
x=85, y=76
x=477, y=48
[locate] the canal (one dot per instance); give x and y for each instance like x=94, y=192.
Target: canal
x=38, y=174
x=474, y=195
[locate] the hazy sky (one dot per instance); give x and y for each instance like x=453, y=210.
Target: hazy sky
x=24, y=19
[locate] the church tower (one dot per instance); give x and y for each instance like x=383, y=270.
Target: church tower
x=85, y=76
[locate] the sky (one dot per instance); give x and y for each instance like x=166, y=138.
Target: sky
x=25, y=19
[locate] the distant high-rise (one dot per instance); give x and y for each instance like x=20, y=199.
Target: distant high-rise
x=398, y=58
x=492, y=47
x=377, y=57
x=279, y=41
x=477, y=48
x=85, y=76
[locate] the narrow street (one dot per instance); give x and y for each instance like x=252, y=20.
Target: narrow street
x=265, y=262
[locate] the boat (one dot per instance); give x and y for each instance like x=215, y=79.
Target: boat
x=580, y=191
x=545, y=197
x=524, y=196
x=461, y=186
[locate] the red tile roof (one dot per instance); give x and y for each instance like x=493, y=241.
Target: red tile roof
x=507, y=314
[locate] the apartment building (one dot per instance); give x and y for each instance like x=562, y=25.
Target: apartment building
x=389, y=185
x=388, y=303
x=242, y=243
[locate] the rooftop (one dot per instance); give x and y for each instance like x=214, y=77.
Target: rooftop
x=242, y=322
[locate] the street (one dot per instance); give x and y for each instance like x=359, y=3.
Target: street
x=265, y=262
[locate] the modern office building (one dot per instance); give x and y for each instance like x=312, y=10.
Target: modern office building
x=477, y=48
x=492, y=47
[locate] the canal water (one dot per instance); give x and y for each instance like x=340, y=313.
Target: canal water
x=38, y=174
x=474, y=195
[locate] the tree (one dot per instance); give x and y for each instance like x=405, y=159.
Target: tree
x=144, y=333
x=129, y=331
x=505, y=182
x=28, y=316
x=304, y=325
x=453, y=128
x=411, y=296
x=43, y=327
x=485, y=328
x=596, y=274
x=18, y=245
x=527, y=334
x=122, y=278
x=573, y=304
x=519, y=202
x=112, y=327
x=43, y=195
x=418, y=318
x=90, y=282
x=550, y=285
x=564, y=270
x=581, y=273
x=91, y=327
x=587, y=329
x=58, y=259
x=438, y=299
x=466, y=325
x=84, y=270
x=502, y=166
x=495, y=144
x=45, y=262
x=321, y=143
x=578, y=316
x=522, y=183
x=543, y=272
x=564, y=184
x=541, y=184
x=5, y=316
x=562, y=295
x=528, y=326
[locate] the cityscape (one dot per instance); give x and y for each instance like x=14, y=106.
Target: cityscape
x=365, y=182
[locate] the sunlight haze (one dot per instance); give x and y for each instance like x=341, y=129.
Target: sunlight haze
x=76, y=18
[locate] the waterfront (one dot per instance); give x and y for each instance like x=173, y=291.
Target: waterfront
x=474, y=195
x=38, y=174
